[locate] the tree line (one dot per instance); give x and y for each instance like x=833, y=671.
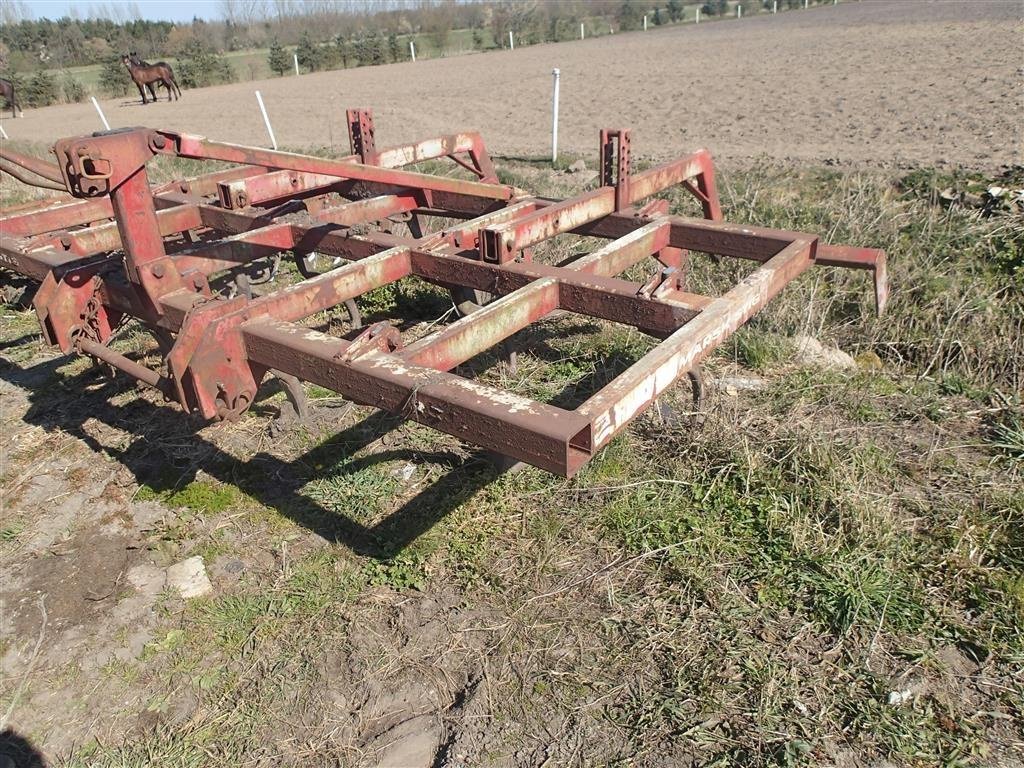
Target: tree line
x=323, y=34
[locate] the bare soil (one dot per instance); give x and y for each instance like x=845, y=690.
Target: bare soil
x=539, y=639
x=893, y=82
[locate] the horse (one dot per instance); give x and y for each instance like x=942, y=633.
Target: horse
x=7, y=91
x=145, y=75
x=148, y=75
x=166, y=82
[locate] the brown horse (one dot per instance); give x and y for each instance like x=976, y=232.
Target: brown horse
x=7, y=91
x=147, y=75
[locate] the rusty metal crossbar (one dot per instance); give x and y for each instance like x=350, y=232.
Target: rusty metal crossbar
x=125, y=249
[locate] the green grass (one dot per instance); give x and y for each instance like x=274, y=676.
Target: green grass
x=197, y=496
x=747, y=592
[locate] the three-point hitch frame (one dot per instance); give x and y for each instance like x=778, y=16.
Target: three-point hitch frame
x=128, y=249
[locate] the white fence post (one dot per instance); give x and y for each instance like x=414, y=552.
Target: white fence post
x=4, y=133
x=99, y=111
x=554, y=117
x=511, y=41
x=645, y=23
x=266, y=120
x=295, y=58
x=412, y=50
x=775, y=6
x=582, y=33
x=739, y=11
x=697, y=20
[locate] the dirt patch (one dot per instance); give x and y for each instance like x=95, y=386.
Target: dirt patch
x=895, y=82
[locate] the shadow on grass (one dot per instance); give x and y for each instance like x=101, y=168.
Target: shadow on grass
x=274, y=482
x=167, y=451
x=19, y=750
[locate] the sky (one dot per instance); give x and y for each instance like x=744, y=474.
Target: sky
x=163, y=10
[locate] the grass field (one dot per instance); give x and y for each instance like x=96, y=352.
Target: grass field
x=825, y=570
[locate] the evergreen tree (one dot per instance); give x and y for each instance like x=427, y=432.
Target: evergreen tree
x=629, y=15
x=393, y=47
x=114, y=78
x=198, y=66
x=675, y=10
x=343, y=50
x=309, y=53
x=277, y=58
x=40, y=90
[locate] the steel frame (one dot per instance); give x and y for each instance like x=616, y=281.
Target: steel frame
x=126, y=249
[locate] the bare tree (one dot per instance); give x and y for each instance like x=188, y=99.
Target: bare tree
x=13, y=11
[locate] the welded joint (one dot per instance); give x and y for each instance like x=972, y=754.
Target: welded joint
x=379, y=337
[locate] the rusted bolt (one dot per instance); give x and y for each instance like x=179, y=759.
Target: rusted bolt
x=183, y=187
x=158, y=271
x=197, y=281
x=65, y=240
x=159, y=141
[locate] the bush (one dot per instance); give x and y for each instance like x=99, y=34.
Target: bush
x=395, y=49
x=40, y=90
x=311, y=55
x=370, y=50
x=74, y=90
x=114, y=78
x=342, y=51
x=277, y=58
x=628, y=16
x=200, y=67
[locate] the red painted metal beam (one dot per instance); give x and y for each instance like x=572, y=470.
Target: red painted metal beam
x=551, y=438
x=632, y=391
x=481, y=330
x=223, y=349
x=500, y=243
x=199, y=148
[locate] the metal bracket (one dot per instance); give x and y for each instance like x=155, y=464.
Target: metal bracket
x=360, y=135
x=615, y=164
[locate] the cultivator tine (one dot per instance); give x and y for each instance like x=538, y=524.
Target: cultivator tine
x=167, y=256
x=295, y=393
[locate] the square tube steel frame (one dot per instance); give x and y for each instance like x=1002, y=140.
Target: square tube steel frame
x=127, y=249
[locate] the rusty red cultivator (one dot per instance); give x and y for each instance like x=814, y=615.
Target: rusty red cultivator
x=131, y=250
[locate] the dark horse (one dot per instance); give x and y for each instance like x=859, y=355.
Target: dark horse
x=7, y=91
x=147, y=75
